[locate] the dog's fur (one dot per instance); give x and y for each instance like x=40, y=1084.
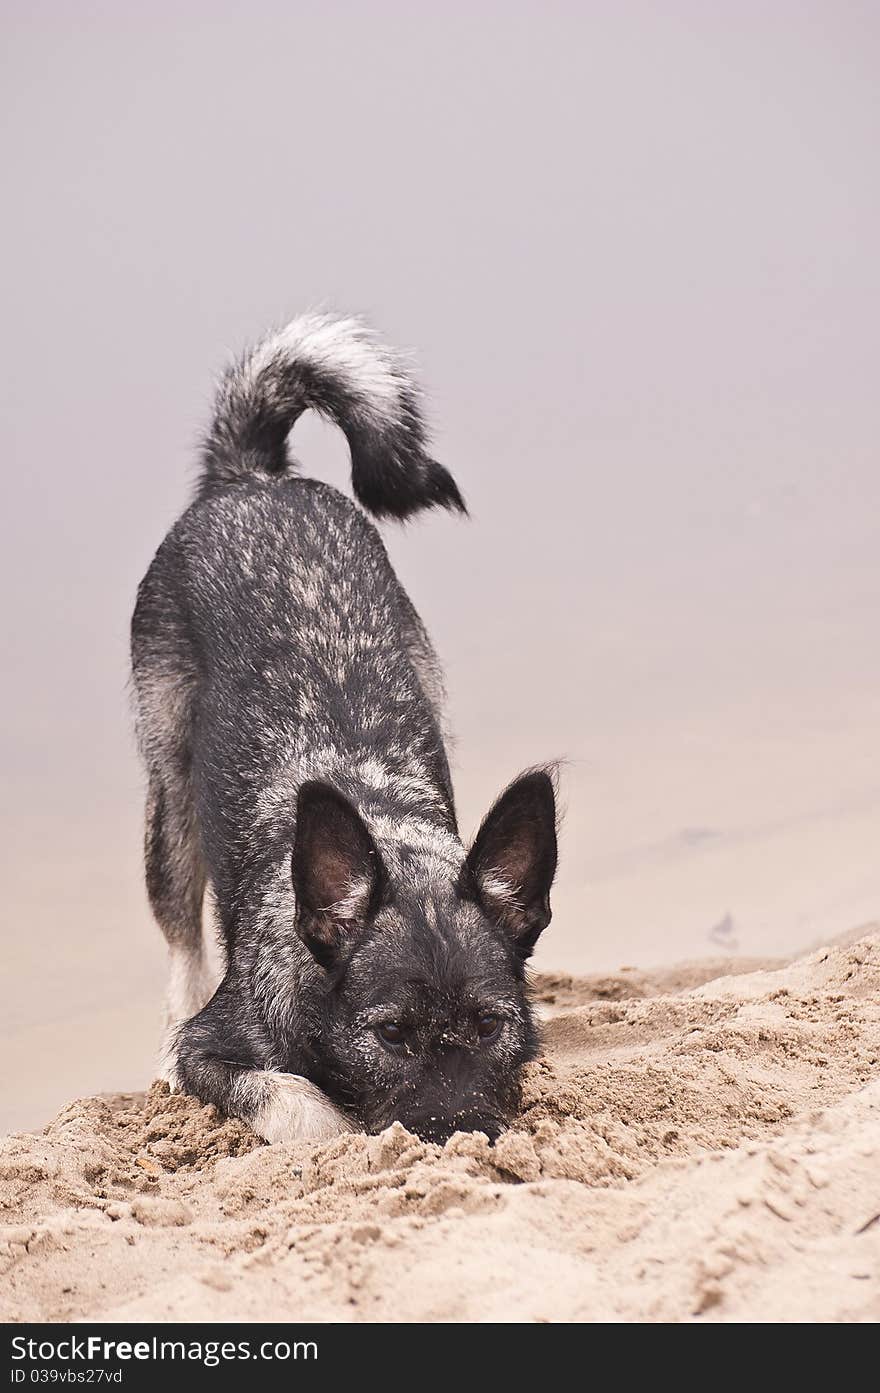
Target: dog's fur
x=289, y=719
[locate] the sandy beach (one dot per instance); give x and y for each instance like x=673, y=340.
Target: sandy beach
x=698, y=1143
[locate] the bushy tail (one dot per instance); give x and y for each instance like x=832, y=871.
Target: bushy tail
x=337, y=367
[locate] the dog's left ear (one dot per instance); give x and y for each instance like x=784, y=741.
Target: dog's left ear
x=511, y=865
x=338, y=877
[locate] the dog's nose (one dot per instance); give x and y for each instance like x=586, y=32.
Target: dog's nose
x=440, y=1129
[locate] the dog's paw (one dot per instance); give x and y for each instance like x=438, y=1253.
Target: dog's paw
x=293, y=1109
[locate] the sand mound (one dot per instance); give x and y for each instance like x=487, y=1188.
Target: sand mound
x=691, y=1146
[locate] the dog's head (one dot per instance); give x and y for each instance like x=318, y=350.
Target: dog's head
x=426, y=1015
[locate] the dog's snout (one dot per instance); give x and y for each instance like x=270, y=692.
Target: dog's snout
x=430, y=1127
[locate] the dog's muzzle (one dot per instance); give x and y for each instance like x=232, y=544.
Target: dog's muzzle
x=429, y=1127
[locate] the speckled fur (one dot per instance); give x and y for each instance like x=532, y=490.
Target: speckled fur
x=275, y=652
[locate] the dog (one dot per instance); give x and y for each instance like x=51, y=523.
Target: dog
x=289, y=717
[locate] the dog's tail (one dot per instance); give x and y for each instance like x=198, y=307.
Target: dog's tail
x=336, y=367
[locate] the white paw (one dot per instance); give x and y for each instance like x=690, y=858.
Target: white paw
x=292, y=1109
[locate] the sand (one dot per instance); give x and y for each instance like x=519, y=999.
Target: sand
x=696, y=1144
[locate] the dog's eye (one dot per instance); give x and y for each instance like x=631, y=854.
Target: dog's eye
x=390, y=1032
x=488, y=1025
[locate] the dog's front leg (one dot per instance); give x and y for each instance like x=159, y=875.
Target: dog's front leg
x=280, y=1107
x=285, y=1107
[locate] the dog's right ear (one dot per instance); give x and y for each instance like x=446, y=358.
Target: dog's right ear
x=338, y=877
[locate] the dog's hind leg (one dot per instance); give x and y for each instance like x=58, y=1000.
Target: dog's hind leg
x=164, y=678
x=176, y=882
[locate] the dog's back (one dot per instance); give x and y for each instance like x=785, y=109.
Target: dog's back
x=301, y=658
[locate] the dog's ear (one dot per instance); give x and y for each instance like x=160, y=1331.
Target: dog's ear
x=338, y=876
x=511, y=865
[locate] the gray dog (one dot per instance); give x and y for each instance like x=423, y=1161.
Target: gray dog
x=289, y=719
